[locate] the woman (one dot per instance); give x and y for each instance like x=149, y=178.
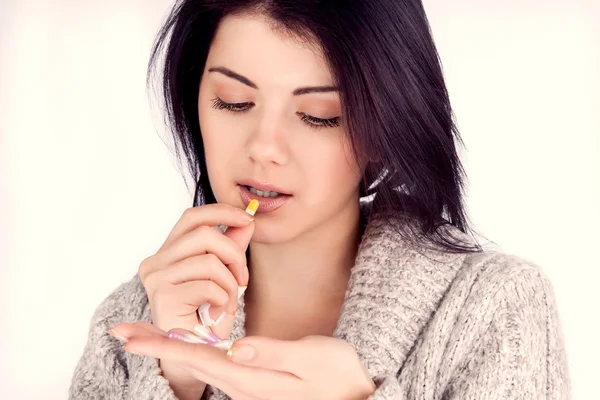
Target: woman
x=363, y=281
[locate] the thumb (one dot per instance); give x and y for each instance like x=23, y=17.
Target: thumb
x=269, y=353
x=241, y=235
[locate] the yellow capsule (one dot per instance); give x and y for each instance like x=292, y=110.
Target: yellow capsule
x=252, y=207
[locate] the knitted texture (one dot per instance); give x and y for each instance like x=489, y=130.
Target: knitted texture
x=426, y=324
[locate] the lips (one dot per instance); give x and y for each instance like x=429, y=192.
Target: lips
x=266, y=204
x=263, y=186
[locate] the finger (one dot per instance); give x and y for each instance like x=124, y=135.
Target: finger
x=293, y=357
x=199, y=358
x=241, y=235
x=204, y=240
x=185, y=354
x=126, y=330
x=223, y=329
x=173, y=350
x=254, y=383
x=192, y=294
x=212, y=367
x=210, y=215
x=198, y=268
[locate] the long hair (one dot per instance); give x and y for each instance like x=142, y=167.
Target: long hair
x=396, y=109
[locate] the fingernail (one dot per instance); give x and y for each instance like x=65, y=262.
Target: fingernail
x=205, y=315
x=127, y=349
x=223, y=345
x=218, y=321
x=241, y=353
x=244, y=217
x=242, y=289
x=245, y=278
x=117, y=335
x=205, y=333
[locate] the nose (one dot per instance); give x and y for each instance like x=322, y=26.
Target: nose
x=266, y=143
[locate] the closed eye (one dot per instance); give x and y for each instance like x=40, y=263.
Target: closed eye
x=235, y=107
x=309, y=120
x=320, y=122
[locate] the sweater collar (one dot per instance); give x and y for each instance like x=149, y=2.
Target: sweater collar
x=393, y=291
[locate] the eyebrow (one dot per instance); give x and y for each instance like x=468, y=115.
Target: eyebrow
x=298, y=92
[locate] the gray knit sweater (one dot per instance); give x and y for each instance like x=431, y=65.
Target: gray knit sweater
x=426, y=325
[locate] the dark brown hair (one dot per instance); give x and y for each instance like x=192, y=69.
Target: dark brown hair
x=396, y=108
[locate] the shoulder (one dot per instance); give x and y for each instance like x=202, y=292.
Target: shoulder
x=507, y=277
x=510, y=297
x=479, y=274
x=510, y=316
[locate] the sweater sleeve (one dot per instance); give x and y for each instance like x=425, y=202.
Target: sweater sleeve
x=521, y=355
x=105, y=370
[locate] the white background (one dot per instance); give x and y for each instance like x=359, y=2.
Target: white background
x=88, y=188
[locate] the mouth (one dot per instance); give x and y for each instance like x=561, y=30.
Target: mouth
x=263, y=189
x=264, y=193
x=269, y=196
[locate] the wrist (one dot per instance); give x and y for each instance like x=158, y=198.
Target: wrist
x=185, y=388
x=183, y=392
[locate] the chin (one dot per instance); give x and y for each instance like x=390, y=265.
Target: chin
x=266, y=233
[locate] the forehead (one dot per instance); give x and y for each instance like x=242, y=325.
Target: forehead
x=251, y=46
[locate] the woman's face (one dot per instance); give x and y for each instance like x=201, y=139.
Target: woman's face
x=269, y=117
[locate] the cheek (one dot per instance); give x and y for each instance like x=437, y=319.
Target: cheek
x=212, y=122
x=220, y=150
x=219, y=132
x=345, y=172
x=331, y=169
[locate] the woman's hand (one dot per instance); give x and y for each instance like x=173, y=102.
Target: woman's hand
x=315, y=367
x=197, y=264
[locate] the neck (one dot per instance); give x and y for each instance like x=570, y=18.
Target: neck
x=309, y=273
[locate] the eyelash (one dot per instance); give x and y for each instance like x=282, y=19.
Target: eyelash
x=311, y=121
